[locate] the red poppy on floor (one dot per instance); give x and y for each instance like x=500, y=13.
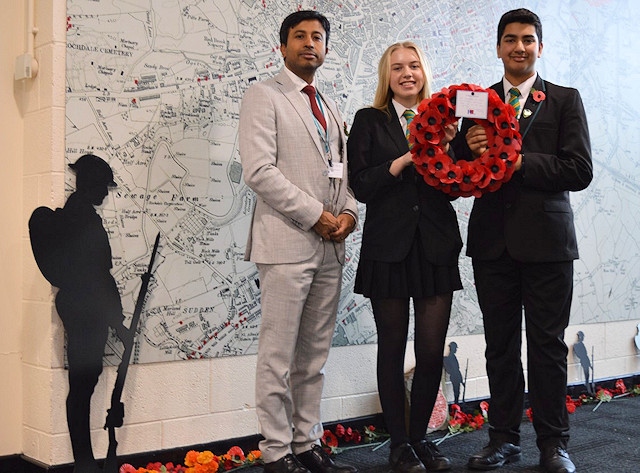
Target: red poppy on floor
x=604, y=395
x=329, y=441
x=571, y=405
x=620, y=386
x=460, y=421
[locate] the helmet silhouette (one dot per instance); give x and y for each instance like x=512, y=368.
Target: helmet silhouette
x=93, y=170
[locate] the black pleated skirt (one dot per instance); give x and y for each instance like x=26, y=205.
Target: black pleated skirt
x=415, y=276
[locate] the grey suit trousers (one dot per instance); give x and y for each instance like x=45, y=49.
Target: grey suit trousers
x=299, y=303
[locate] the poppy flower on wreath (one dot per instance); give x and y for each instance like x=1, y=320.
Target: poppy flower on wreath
x=440, y=165
x=469, y=177
x=489, y=171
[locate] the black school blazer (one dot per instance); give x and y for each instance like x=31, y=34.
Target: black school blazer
x=396, y=207
x=531, y=215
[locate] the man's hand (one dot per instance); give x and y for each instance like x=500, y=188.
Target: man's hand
x=346, y=225
x=326, y=225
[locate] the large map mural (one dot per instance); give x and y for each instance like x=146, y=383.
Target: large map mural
x=154, y=87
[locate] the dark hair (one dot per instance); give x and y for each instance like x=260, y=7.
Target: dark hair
x=521, y=15
x=296, y=18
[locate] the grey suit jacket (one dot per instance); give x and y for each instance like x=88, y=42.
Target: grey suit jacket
x=284, y=163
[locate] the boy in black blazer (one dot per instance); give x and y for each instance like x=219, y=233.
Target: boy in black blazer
x=522, y=242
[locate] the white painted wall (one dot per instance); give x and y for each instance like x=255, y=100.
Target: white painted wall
x=42, y=104
x=167, y=404
x=11, y=138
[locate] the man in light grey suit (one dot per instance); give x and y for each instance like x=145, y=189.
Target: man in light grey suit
x=293, y=156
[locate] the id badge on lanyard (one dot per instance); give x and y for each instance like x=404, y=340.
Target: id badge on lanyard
x=335, y=169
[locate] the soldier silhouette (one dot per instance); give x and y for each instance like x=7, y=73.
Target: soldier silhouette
x=71, y=247
x=581, y=352
x=452, y=367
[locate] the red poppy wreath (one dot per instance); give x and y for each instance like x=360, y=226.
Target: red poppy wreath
x=488, y=172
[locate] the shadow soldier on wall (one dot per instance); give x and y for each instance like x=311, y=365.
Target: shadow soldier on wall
x=452, y=367
x=580, y=352
x=71, y=248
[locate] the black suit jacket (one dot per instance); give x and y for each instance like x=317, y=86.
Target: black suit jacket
x=396, y=207
x=531, y=215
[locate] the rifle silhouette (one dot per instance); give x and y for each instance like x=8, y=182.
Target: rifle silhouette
x=592, y=388
x=115, y=415
x=464, y=384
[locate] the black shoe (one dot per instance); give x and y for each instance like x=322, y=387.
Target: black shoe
x=318, y=461
x=494, y=456
x=556, y=460
x=287, y=464
x=403, y=459
x=430, y=456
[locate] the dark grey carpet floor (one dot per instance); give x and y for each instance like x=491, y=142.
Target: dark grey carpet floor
x=604, y=441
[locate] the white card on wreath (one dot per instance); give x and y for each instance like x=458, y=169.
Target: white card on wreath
x=472, y=104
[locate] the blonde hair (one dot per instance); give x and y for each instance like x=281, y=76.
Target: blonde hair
x=383, y=91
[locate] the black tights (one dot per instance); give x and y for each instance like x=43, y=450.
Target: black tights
x=392, y=322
